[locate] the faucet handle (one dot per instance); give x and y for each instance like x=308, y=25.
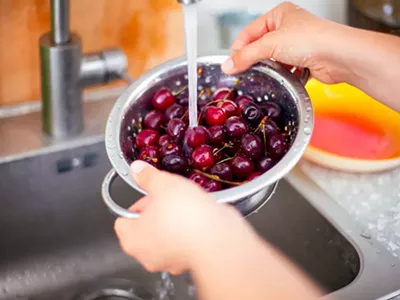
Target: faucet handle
x=102, y=67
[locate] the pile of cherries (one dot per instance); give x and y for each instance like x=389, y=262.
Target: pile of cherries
x=236, y=139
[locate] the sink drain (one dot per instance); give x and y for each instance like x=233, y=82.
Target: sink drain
x=114, y=289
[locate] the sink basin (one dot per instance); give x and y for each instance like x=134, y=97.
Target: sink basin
x=57, y=235
x=57, y=238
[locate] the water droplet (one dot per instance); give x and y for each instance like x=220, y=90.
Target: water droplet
x=208, y=79
x=281, y=82
x=178, y=83
x=200, y=87
x=307, y=130
x=306, y=120
x=266, y=97
x=213, y=88
x=308, y=108
x=186, y=76
x=121, y=155
x=259, y=99
x=240, y=93
x=124, y=172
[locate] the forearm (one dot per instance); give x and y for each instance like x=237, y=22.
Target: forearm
x=236, y=264
x=373, y=60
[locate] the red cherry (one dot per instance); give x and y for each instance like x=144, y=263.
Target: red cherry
x=197, y=136
x=229, y=107
x=254, y=176
x=242, y=100
x=163, y=99
x=203, y=157
x=215, y=116
x=213, y=186
x=154, y=120
x=147, y=137
x=224, y=94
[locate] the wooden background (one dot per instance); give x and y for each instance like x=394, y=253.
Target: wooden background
x=149, y=31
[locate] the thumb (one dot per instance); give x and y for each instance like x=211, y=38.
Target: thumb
x=152, y=180
x=243, y=59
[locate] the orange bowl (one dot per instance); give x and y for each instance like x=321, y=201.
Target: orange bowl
x=352, y=131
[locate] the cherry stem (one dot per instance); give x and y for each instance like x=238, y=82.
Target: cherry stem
x=222, y=148
x=180, y=91
x=231, y=89
x=216, y=178
x=261, y=123
x=225, y=160
x=265, y=141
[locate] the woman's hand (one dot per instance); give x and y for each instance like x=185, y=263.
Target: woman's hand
x=293, y=36
x=177, y=219
x=333, y=52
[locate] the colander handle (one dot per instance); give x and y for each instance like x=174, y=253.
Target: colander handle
x=112, y=206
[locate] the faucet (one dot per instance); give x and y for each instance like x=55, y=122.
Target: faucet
x=65, y=72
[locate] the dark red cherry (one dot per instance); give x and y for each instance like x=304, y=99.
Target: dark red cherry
x=272, y=110
x=175, y=164
x=197, y=136
x=233, y=147
x=229, y=107
x=252, y=146
x=163, y=99
x=265, y=164
x=174, y=111
x=217, y=134
x=165, y=139
x=212, y=186
x=199, y=179
x=176, y=129
x=224, y=94
x=242, y=100
x=215, y=116
x=184, y=101
x=203, y=157
x=149, y=153
x=254, y=176
x=242, y=166
x=236, y=127
x=154, y=120
x=252, y=113
x=270, y=128
x=147, y=137
x=170, y=148
x=277, y=146
x=222, y=170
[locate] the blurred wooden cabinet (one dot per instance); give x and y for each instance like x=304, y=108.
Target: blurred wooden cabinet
x=149, y=31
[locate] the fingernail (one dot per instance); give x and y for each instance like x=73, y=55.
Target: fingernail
x=137, y=166
x=228, y=65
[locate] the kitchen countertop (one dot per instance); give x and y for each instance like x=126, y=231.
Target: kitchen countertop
x=373, y=200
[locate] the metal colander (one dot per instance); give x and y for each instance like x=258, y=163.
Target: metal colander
x=265, y=81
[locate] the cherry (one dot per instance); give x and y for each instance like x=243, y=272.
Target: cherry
x=217, y=134
x=154, y=120
x=222, y=170
x=233, y=147
x=252, y=113
x=242, y=100
x=147, y=137
x=265, y=164
x=199, y=179
x=270, y=128
x=236, y=126
x=197, y=136
x=175, y=164
x=165, y=139
x=215, y=116
x=174, y=111
x=212, y=186
x=163, y=99
x=149, y=153
x=170, y=148
x=254, y=176
x=203, y=157
x=229, y=107
x=252, y=146
x=272, y=110
x=224, y=94
x=242, y=166
x=176, y=129
x=277, y=145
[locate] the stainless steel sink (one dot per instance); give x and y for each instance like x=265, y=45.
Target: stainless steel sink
x=57, y=239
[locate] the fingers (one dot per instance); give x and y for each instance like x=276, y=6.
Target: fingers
x=255, y=30
x=244, y=58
